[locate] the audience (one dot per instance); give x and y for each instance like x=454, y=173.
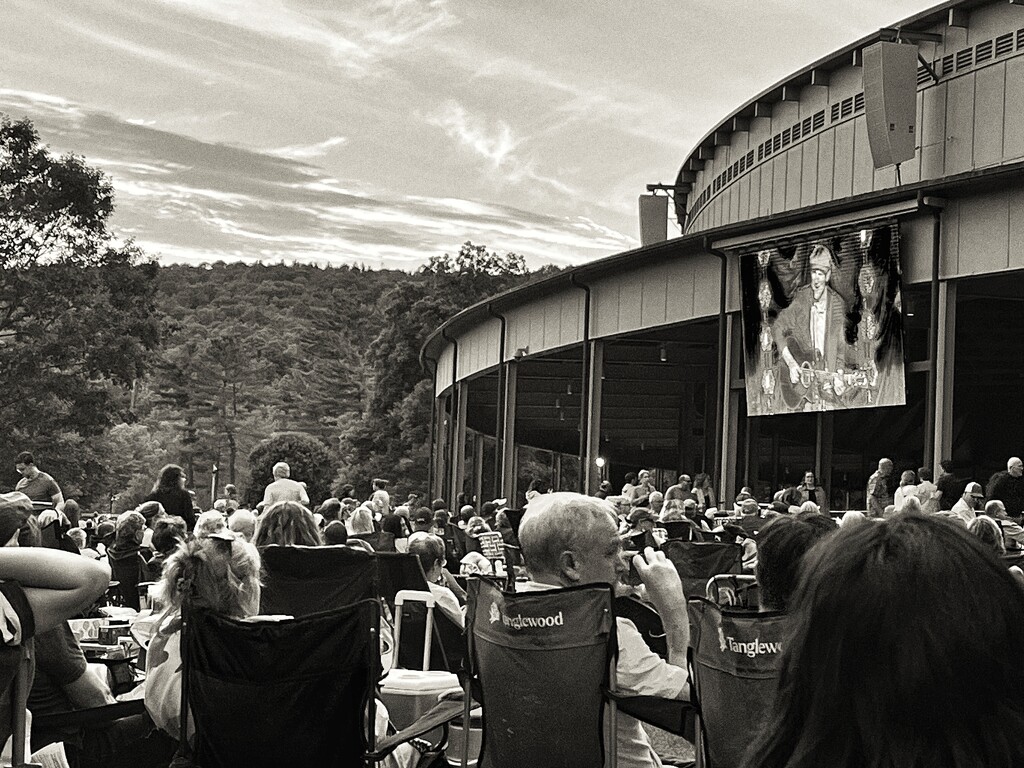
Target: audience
x=919, y=571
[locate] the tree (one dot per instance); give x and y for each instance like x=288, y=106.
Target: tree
x=307, y=457
x=392, y=437
x=77, y=319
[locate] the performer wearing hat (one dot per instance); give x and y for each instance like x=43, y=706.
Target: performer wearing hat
x=811, y=330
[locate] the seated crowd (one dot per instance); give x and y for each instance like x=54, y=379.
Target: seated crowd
x=926, y=605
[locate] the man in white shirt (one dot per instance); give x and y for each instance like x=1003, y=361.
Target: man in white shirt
x=966, y=507
x=568, y=540
x=284, y=488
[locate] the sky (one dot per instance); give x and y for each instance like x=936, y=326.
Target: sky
x=383, y=132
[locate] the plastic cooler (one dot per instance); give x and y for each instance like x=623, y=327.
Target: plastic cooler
x=409, y=693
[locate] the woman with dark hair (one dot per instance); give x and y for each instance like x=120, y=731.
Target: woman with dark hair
x=901, y=652
x=169, y=490
x=287, y=523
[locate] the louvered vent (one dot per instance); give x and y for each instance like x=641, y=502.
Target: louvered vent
x=807, y=126
x=796, y=132
x=1004, y=44
x=835, y=112
x=983, y=52
x=964, y=58
x=922, y=75
x=947, y=65
x=786, y=134
x=847, y=107
x=858, y=102
x=750, y=158
x=1020, y=39
x=819, y=119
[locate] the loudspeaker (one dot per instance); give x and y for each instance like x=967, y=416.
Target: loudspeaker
x=653, y=219
x=890, y=101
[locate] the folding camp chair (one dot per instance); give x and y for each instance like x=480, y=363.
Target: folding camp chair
x=416, y=618
x=298, y=692
x=734, y=590
x=301, y=580
x=128, y=572
x=381, y=541
x=542, y=658
x=734, y=669
x=682, y=530
x=698, y=561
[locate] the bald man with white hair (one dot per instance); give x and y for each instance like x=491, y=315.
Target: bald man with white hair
x=284, y=488
x=569, y=540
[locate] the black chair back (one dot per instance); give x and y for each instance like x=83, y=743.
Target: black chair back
x=269, y=694
x=698, y=561
x=300, y=580
x=735, y=658
x=541, y=657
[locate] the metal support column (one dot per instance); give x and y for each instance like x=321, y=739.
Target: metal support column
x=728, y=412
x=478, y=468
x=592, y=402
x=508, y=438
x=461, y=396
x=946, y=357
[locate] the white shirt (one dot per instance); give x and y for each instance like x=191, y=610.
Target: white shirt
x=284, y=489
x=819, y=309
x=638, y=672
x=963, y=511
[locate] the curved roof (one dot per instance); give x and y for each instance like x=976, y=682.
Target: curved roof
x=919, y=22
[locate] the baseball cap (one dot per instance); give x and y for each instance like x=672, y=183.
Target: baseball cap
x=975, y=490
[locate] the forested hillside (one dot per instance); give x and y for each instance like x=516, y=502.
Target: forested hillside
x=111, y=366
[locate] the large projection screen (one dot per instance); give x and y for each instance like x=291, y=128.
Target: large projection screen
x=823, y=323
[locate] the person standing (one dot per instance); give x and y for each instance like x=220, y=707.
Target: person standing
x=36, y=484
x=949, y=485
x=283, y=488
x=380, y=499
x=809, y=490
x=879, y=495
x=1008, y=487
x=169, y=491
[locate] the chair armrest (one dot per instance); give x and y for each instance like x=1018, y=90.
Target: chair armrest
x=84, y=718
x=672, y=715
x=440, y=715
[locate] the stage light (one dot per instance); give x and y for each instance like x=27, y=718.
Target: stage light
x=600, y=462
x=663, y=354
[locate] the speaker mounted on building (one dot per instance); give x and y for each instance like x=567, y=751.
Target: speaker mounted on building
x=653, y=219
x=890, y=101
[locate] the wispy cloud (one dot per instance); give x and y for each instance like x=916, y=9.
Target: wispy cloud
x=184, y=199
x=356, y=35
x=495, y=143
x=308, y=151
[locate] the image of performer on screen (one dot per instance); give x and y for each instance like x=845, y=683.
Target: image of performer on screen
x=810, y=335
